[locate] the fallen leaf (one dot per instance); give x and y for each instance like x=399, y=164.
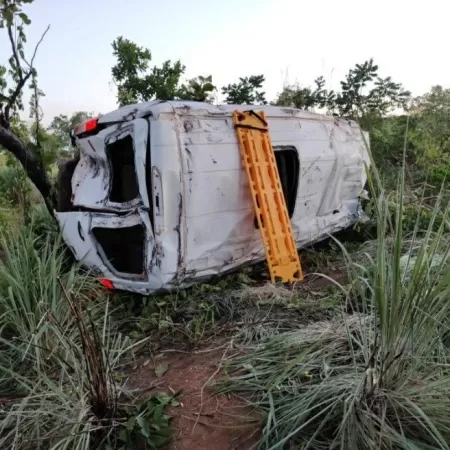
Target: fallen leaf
x=161, y=369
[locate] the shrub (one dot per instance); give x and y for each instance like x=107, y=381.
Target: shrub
x=387, y=139
x=14, y=185
x=376, y=379
x=43, y=226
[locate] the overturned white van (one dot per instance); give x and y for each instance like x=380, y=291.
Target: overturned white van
x=159, y=199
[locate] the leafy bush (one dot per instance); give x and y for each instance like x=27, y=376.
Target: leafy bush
x=146, y=424
x=42, y=224
x=14, y=185
x=437, y=173
x=431, y=112
x=418, y=217
x=387, y=139
x=9, y=217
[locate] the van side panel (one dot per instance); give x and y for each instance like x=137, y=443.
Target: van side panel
x=219, y=210
x=221, y=232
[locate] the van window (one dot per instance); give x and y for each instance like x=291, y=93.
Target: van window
x=289, y=169
x=124, y=183
x=122, y=247
x=288, y=165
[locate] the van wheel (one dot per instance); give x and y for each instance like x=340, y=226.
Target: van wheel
x=64, y=185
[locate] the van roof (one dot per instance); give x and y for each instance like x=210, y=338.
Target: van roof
x=156, y=107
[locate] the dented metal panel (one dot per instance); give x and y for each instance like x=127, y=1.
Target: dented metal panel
x=91, y=182
x=194, y=199
x=76, y=233
x=170, y=224
x=221, y=227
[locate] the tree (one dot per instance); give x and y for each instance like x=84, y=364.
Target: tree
x=62, y=125
x=295, y=96
x=432, y=112
x=356, y=99
x=198, y=89
x=21, y=72
x=246, y=91
x=136, y=82
x=45, y=144
x=363, y=94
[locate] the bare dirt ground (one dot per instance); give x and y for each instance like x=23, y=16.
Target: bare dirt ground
x=204, y=420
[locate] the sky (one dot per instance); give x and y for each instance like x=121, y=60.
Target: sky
x=288, y=41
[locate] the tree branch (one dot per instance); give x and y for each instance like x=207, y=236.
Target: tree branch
x=14, y=50
x=15, y=95
x=31, y=165
x=30, y=65
x=23, y=79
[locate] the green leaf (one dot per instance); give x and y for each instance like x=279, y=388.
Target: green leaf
x=164, y=398
x=123, y=435
x=131, y=422
x=8, y=16
x=159, y=441
x=166, y=432
x=161, y=369
x=24, y=18
x=157, y=415
x=144, y=425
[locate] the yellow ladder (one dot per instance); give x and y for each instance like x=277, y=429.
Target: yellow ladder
x=268, y=199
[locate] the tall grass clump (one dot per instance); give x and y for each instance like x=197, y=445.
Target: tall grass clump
x=378, y=378
x=59, y=349
x=32, y=303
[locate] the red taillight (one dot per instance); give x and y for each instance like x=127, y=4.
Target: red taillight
x=107, y=283
x=86, y=127
x=91, y=125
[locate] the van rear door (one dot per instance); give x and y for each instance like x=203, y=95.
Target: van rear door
x=114, y=232
x=117, y=245
x=111, y=174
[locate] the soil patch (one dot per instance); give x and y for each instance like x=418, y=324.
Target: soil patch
x=204, y=420
x=318, y=282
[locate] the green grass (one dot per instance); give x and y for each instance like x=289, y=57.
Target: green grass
x=3, y=160
x=59, y=350
x=378, y=378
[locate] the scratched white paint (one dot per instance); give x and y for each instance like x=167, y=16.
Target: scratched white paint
x=91, y=179
x=201, y=220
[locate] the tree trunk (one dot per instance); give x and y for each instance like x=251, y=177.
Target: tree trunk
x=31, y=165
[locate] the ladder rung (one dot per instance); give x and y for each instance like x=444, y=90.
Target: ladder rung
x=268, y=199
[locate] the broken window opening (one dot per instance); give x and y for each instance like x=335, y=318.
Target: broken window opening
x=289, y=169
x=123, y=248
x=124, y=183
x=288, y=165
